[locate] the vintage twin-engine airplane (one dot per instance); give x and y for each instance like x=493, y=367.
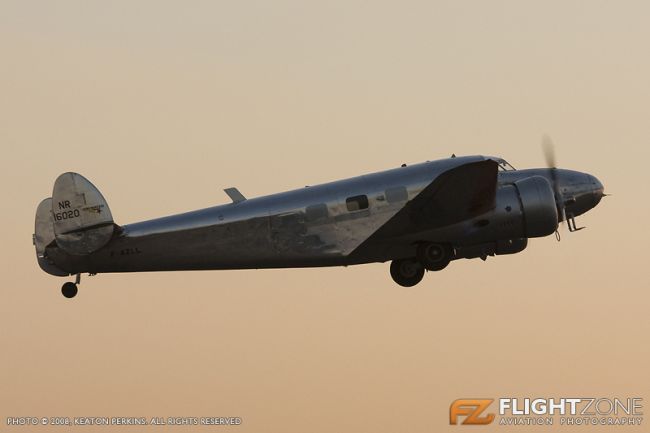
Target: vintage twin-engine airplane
x=420, y=217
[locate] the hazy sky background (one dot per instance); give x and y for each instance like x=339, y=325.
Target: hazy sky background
x=164, y=104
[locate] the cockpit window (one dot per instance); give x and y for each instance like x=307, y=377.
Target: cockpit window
x=504, y=165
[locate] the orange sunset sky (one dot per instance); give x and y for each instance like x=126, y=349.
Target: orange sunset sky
x=163, y=104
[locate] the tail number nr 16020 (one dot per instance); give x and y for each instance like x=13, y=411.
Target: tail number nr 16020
x=66, y=215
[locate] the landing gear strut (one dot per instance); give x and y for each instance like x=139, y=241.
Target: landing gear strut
x=69, y=289
x=433, y=256
x=406, y=272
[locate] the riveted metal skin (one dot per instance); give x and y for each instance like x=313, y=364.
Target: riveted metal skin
x=462, y=201
x=82, y=219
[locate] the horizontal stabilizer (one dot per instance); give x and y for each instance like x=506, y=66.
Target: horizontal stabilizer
x=82, y=219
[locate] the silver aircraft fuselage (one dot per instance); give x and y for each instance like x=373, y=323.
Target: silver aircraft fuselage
x=331, y=224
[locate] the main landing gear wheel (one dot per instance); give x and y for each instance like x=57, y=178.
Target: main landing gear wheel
x=406, y=272
x=69, y=289
x=434, y=257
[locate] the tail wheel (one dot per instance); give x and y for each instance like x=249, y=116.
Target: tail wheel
x=406, y=272
x=433, y=256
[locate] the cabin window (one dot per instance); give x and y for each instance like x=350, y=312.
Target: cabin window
x=316, y=212
x=396, y=194
x=358, y=202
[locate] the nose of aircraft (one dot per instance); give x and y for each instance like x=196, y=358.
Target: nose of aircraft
x=581, y=192
x=597, y=188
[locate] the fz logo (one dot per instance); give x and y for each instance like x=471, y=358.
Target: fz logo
x=471, y=410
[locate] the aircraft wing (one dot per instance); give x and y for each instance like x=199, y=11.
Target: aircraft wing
x=458, y=194
x=454, y=196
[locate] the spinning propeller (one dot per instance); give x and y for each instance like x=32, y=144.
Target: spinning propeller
x=549, y=154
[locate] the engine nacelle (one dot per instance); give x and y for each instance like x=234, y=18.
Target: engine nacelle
x=538, y=207
x=524, y=209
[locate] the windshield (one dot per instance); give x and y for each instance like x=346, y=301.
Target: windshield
x=504, y=165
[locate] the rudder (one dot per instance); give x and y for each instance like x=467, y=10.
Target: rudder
x=81, y=217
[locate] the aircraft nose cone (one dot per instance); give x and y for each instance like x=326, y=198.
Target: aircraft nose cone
x=597, y=188
x=580, y=191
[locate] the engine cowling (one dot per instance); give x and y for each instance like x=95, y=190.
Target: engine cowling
x=524, y=209
x=539, y=211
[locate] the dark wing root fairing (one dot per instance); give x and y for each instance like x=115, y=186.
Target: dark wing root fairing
x=458, y=194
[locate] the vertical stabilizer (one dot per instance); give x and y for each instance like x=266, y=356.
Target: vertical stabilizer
x=44, y=236
x=81, y=217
